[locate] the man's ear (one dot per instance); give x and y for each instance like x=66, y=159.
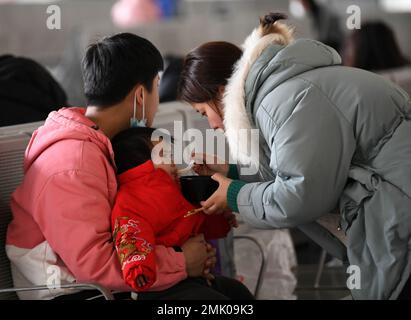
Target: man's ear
x=139, y=91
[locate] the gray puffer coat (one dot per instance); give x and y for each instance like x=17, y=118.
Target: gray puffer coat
x=330, y=137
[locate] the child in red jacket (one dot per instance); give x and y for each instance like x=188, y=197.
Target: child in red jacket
x=150, y=209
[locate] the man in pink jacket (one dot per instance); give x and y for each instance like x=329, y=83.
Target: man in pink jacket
x=61, y=227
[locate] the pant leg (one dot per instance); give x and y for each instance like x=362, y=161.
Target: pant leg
x=226, y=255
x=406, y=291
x=93, y=295
x=188, y=289
x=222, y=288
x=232, y=289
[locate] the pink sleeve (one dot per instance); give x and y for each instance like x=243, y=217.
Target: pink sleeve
x=171, y=268
x=74, y=215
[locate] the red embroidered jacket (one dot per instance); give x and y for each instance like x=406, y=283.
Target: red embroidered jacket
x=149, y=210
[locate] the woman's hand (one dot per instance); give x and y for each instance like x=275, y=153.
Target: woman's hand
x=207, y=165
x=217, y=203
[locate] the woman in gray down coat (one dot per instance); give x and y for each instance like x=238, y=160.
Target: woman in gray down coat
x=330, y=137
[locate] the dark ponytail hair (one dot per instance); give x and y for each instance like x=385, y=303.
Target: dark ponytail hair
x=205, y=69
x=271, y=18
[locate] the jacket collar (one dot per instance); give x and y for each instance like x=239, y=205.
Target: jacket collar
x=270, y=58
x=66, y=124
x=136, y=173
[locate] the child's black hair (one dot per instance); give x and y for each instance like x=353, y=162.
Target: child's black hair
x=132, y=147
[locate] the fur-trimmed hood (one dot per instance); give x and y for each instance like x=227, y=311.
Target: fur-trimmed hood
x=285, y=58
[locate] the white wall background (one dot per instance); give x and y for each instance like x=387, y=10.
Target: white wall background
x=23, y=28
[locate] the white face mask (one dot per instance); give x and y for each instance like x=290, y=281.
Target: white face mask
x=297, y=9
x=134, y=122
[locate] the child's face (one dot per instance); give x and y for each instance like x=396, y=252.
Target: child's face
x=169, y=166
x=171, y=169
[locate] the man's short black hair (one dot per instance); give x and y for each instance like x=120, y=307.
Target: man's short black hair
x=114, y=65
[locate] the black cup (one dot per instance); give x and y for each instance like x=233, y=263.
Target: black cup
x=197, y=188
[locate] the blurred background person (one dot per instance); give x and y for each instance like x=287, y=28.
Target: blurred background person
x=129, y=13
x=28, y=92
x=173, y=65
x=325, y=22
x=374, y=47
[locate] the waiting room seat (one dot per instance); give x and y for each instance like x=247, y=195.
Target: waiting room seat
x=11, y=172
x=326, y=232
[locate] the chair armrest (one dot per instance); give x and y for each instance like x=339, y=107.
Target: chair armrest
x=331, y=222
x=263, y=262
x=83, y=286
x=326, y=234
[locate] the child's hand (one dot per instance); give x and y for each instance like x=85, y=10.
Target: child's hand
x=141, y=281
x=231, y=219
